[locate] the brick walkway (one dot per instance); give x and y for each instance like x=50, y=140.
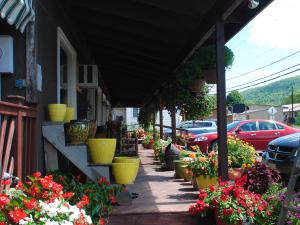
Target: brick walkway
x=162, y=198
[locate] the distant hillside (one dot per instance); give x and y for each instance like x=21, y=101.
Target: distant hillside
x=272, y=94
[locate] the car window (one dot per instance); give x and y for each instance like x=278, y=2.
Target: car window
x=267, y=126
x=203, y=124
x=232, y=125
x=279, y=126
x=251, y=126
x=186, y=125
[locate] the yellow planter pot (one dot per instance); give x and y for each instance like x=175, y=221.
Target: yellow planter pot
x=206, y=181
x=135, y=160
x=57, y=112
x=102, y=150
x=124, y=173
x=70, y=114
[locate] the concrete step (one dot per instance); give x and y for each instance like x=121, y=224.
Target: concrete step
x=181, y=218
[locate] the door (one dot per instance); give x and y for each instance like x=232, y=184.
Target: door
x=248, y=132
x=267, y=131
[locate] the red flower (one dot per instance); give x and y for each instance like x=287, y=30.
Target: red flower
x=250, y=213
x=31, y=204
x=113, y=199
x=268, y=213
x=227, y=212
x=57, y=188
x=19, y=185
x=212, y=188
x=101, y=221
x=67, y=195
x=103, y=180
x=6, y=182
x=2, y=223
x=37, y=174
x=4, y=200
x=17, y=214
x=224, y=197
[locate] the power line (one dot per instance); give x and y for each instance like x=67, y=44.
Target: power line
x=253, y=85
x=265, y=77
x=279, y=60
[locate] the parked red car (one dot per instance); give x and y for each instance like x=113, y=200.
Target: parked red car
x=256, y=132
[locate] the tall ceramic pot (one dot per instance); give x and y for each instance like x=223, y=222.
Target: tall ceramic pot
x=57, y=112
x=171, y=153
x=102, y=150
x=179, y=170
x=76, y=132
x=204, y=181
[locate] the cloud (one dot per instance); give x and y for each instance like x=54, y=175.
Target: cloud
x=277, y=26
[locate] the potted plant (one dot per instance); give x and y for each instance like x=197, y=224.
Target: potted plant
x=148, y=141
x=240, y=155
x=260, y=177
x=205, y=169
x=232, y=203
x=76, y=132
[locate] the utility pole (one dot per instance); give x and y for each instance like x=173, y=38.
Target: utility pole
x=292, y=98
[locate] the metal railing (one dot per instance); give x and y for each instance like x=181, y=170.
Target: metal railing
x=18, y=129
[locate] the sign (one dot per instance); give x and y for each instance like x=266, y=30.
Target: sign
x=272, y=111
x=239, y=108
x=6, y=54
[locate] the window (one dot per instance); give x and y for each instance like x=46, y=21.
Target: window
x=267, y=126
x=248, y=127
x=203, y=124
x=135, y=112
x=279, y=126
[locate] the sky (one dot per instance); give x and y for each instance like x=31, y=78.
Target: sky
x=273, y=35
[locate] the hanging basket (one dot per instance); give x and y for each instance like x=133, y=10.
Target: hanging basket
x=196, y=86
x=210, y=76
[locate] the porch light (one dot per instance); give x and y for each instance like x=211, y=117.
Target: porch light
x=253, y=4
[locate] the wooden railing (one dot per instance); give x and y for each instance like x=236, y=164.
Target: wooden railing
x=18, y=133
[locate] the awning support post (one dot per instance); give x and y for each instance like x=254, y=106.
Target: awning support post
x=221, y=102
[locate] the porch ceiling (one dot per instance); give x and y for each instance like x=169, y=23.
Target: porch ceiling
x=139, y=43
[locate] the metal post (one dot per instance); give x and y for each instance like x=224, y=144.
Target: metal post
x=173, y=121
x=221, y=100
x=161, y=121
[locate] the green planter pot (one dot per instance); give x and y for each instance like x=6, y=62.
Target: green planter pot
x=179, y=170
x=187, y=174
x=76, y=132
x=194, y=183
x=204, y=181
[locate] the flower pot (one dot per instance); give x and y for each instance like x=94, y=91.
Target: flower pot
x=187, y=174
x=220, y=222
x=194, y=183
x=76, y=132
x=57, y=112
x=235, y=173
x=102, y=150
x=93, y=128
x=210, y=76
x=124, y=173
x=179, y=169
x=204, y=181
x=171, y=154
x=70, y=114
x=196, y=86
x=135, y=160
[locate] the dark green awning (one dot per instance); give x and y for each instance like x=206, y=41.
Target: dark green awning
x=17, y=13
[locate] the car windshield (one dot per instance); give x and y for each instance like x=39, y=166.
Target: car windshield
x=202, y=131
x=232, y=125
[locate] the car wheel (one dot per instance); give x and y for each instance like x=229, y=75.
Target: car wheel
x=213, y=146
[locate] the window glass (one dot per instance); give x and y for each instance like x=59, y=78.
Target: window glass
x=135, y=112
x=186, y=125
x=248, y=127
x=279, y=126
x=203, y=124
x=267, y=126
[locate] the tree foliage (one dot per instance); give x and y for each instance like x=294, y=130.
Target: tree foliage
x=235, y=97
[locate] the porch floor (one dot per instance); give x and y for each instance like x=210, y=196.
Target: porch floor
x=158, y=190
x=162, y=199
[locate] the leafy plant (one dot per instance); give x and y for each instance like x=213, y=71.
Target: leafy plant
x=260, y=177
x=204, y=165
x=101, y=194
x=148, y=140
x=240, y=153
x=41, y=201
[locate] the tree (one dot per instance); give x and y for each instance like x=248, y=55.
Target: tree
x=288, y=100
x=235, y=97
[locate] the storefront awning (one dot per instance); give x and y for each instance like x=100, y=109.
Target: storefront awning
x=17, y=13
